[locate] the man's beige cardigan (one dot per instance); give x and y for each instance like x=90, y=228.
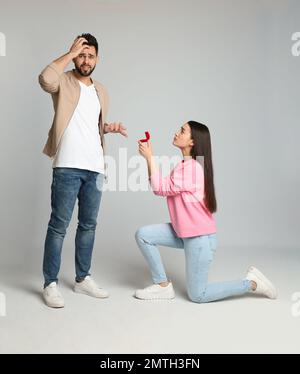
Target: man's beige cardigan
x=65, y=91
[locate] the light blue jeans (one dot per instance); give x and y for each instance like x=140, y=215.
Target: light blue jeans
x=199, y=252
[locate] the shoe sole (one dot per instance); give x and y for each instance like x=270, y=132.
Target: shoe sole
x=264, y=279
x=88, y=294
x=156, y=298
x=54, y=306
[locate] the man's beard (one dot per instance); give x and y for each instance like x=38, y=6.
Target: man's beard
x=84, y=73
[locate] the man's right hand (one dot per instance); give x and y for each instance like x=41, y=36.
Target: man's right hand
x=77, y=47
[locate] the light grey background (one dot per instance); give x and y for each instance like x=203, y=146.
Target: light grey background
x=227, y=63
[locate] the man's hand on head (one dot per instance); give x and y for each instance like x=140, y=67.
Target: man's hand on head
x=77, y=46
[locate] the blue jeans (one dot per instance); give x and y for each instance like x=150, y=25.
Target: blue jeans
x=68, y=184
x=199, y=251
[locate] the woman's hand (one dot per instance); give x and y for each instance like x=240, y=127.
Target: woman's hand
x=145, y=150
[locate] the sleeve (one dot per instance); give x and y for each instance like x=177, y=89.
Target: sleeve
x=49, y=79
x=106, y=105
x=181, y=179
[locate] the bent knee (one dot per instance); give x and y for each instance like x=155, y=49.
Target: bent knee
x=141, y=234
x=197, y=297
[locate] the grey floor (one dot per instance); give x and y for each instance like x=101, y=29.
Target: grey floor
x=122, y=324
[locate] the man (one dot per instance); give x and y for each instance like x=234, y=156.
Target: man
x=76, y=145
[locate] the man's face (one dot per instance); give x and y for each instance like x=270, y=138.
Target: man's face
x=86, y=61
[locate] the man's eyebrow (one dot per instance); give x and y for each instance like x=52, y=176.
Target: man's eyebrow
x=84, y=54
x=182, y=128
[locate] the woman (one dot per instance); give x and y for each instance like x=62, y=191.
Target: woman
x=191, y=201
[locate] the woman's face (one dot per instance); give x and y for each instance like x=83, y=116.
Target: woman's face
x=183, y=137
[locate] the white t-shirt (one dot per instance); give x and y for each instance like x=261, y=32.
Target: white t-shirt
x=80, y=146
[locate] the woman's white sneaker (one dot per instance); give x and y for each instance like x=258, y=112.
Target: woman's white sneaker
x=264, y=285
x=52, y=296
x=89, y=287
x=155, y=291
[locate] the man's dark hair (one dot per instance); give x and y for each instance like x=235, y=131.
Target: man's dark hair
x=92, y=41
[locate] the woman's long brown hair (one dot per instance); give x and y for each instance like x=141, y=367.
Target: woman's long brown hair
x=202, y=148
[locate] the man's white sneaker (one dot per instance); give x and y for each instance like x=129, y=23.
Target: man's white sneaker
x=89, y=287
x=52, y=296
x=155, y=291
x=264, y=285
